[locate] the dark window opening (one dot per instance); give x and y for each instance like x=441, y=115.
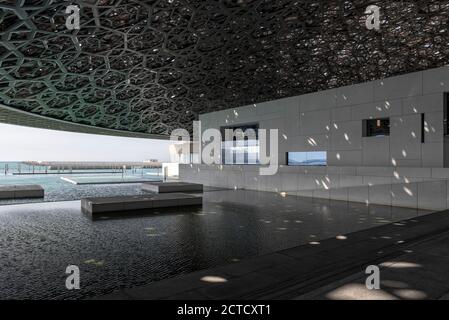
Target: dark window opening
x=446, y=112
x=423, y=128
x=376, y=127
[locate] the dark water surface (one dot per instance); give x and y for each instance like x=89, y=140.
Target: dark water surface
x=38, y=241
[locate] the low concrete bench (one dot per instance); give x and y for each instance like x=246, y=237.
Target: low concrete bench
x=21, y=192
x=167, y=187
x=95, y=206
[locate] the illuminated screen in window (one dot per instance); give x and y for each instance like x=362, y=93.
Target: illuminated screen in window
x=376, y=127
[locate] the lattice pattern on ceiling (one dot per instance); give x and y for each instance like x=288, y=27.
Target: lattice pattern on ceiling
x=152, y=66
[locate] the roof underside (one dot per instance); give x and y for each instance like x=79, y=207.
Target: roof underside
x=152, y=66
x=18, y=117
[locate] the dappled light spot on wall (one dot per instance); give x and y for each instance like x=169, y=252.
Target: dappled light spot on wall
x=312, y=142
x=408, y=191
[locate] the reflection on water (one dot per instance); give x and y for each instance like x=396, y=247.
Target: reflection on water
x=38, y=241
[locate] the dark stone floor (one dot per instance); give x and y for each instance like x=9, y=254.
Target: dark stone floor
x=38, y=241
x=413, y=256
x=421, y=272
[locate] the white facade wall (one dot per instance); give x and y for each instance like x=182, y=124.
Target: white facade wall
x=331, y=121
x=396, y=170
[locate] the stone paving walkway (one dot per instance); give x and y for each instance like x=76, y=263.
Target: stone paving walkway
x=422, y=272
x=413, y=256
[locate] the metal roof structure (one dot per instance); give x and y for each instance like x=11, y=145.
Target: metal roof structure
x=149, y=66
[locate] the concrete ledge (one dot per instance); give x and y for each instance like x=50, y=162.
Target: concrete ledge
x=21, y=192
x=168, y=187
x=95, y=206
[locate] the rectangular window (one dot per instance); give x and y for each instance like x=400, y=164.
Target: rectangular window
x=240, y=144
x=446, y=113
x=423, y=128
x=376, y=127
x=315, y=158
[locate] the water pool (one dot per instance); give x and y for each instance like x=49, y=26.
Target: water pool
x=38, y=241
x=57, y=189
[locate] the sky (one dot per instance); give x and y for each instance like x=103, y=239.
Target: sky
x=19, y=143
